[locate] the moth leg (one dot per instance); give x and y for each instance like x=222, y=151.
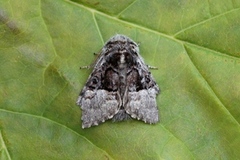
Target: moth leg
x=95, y=54
x=92, y=65
x=151, y=67
x=86, y=67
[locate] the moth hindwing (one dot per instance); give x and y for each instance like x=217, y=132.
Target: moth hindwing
x=120, y=86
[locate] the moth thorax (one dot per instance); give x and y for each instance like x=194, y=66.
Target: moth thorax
x=122, y=59
x=122, y=63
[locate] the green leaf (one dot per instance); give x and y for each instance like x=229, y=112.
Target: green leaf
x=195, y=45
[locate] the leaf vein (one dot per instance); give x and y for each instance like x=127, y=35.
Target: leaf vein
x=206, y=20
x=4, y=147
x=50, y=120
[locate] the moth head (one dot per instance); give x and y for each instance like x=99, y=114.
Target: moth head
x=121, y=43
x=120, y=51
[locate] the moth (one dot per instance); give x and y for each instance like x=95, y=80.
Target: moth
x=120, y=86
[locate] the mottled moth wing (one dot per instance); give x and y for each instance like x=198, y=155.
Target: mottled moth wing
x=97, y=104
x=119, y=87
x=141, y=100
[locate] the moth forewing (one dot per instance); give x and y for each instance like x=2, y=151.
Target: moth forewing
x=119, y=87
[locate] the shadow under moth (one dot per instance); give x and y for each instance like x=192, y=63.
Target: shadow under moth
x=120, y=86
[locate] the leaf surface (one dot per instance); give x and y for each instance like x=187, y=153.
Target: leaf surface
x=194, y=44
